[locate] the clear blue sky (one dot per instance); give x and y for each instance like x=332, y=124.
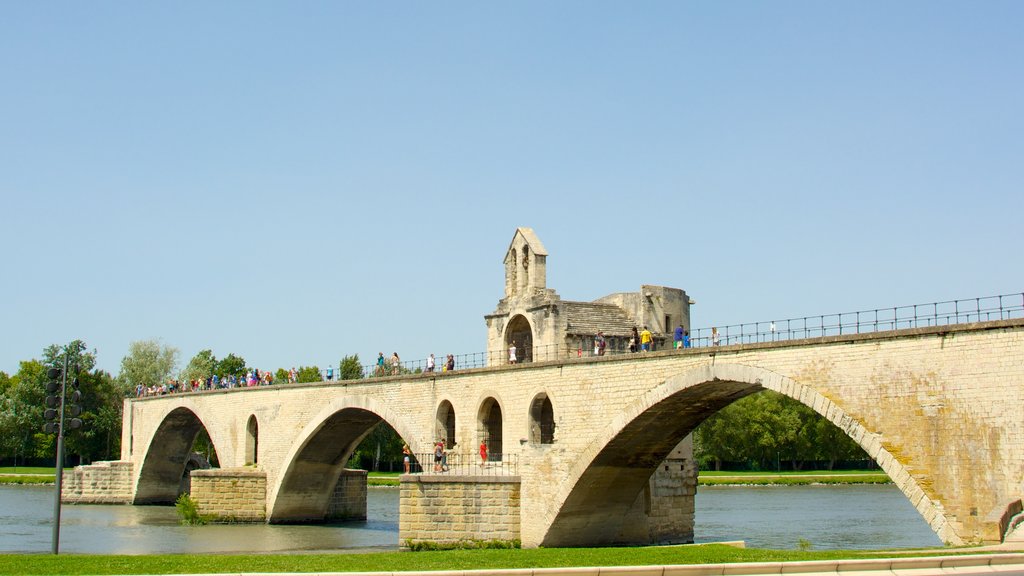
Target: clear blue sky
x=294, y=182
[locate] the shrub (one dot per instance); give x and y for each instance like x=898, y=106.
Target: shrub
x=188, y=511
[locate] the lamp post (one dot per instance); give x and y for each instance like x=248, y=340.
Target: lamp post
x=56, y=387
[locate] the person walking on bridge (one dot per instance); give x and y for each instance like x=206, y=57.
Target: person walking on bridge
x=646, y=339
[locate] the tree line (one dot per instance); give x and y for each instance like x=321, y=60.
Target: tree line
x=764, y=431
x=769, y=431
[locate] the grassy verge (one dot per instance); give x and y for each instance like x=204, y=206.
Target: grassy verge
x=28, y=470
x=405, y=561
x=26, y=479
x=793, y=478
x=733, y=478
x=382, y=478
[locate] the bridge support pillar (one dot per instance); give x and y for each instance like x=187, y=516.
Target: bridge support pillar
x=348, y=501
x=107, y=482
x=449, y=509
x=664, y=510
x=231, y=494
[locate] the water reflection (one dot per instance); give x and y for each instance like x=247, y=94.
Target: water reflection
x=829, y=517
x=26, y=515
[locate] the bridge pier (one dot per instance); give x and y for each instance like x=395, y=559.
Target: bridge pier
x=448, y=509
x=107, y=482
x=664, y=511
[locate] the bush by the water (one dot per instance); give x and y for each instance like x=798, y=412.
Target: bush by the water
x=188, y=511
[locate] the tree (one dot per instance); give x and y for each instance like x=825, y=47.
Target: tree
x=309, y=374
x=350, y=369
x=760, y=430
x=382, y=444
x=148, y=363
x=99, y=438
x=200, y=367
x=231, y=365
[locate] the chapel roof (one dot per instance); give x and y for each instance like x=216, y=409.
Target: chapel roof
x=587, y=318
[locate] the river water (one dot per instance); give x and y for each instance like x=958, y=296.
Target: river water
x=829, y=517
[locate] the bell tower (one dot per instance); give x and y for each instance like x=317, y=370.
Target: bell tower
x=525, y=265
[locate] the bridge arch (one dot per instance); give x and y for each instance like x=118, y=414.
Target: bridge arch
x=167, y=452
x=444, y=424
x=490, y=423
x=315, y=461
x=542, y=420
x=612, y=470
x=252, y=440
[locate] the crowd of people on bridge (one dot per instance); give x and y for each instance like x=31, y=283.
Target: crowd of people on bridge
x=252, y=378
x=638, y=342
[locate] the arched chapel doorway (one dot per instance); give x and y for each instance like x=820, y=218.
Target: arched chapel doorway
x=519, y=331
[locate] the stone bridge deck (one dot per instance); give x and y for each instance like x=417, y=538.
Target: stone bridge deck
x=937, y=408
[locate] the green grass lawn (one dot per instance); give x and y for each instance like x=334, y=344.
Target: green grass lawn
x=405, y=561
x=794, y=478
x=28, y=470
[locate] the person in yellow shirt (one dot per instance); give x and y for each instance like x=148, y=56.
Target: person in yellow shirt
x=646, y=339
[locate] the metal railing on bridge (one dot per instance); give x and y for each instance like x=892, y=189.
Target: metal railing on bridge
x=465, y=464
x=1002, y=307
x=950, y=312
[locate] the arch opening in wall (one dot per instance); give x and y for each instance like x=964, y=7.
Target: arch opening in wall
x=489, y=424
x=179, y=445
x=542, y=420
x=520, y=333
x=618, y=468
x=444, y=424
x=252, y=441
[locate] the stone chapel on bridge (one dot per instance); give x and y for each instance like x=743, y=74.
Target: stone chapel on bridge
x=545, y=327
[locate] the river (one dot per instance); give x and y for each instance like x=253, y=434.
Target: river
x=829, y=517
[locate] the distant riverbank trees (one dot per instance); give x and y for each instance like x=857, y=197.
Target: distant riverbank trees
x=765, y=431
x=769, y=431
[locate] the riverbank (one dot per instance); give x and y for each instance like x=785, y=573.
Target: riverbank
x=40, y=476
x=26, y=475
x=709, y=478
x=387, y=562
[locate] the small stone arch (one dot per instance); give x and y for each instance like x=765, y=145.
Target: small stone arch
x=542, y=420
x=444, y=424
x=519, y=331
x=489, y=428
x=252, y=441
x=162, y=475
x=316, y=460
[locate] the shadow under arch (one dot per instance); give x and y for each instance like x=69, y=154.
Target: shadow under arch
x=160, y=479
x=316, y=461
x=609, y=474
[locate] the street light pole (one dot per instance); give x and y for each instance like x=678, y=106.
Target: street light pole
x=60, y=457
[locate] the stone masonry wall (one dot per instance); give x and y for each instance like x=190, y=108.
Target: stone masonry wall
x=348, y=501
x=456, y=508
x=664, y=511
x=231, y=494
x=98, y=483
x=939, y=407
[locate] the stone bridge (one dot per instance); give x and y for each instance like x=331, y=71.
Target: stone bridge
x=939, y=409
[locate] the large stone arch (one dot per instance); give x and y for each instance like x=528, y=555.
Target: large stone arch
x=314, y=463
x=168, y=450
x=612, y=470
